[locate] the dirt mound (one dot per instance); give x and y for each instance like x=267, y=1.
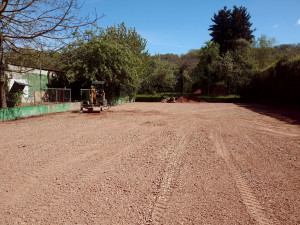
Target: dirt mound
x=190, y=99
x=169, y=100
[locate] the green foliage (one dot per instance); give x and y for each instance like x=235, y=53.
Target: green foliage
x=125, y=36
x=229, y=26
x=115, y=55
x=264, y=42
x=264, y=52
x=58, y=81
x=26, y=57
x=159, y=77
x=12, y=99
x=288, y=50
x=187, y=82
x=235, y=67
x=189, y=60
x=108, y=61
x=159, y=96
x=185, y=65
x=280, y=83
x=204, y=74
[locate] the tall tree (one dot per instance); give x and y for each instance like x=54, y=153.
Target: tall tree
x=126, y=36
x=35, y=24
x=235, y=67
x=115, y=55
x=229, y=26
x=264, y=51
x=105, y=60
x=204, y=74
x=159, y=77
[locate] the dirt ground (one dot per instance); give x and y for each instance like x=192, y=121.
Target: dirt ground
x=153, y=163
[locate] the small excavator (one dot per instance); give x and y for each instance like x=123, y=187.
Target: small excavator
x=97, y=101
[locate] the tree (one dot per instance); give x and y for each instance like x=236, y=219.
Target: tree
x=234, y=68
x=35, y=24
x=126, y=37
x=50, y=59
x=229, y=26
x=115, y=55
x=104, y=60
x=204, y=74
x=159, y=76
x=264, y=51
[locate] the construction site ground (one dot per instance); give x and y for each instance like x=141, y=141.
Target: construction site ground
x=153, y=163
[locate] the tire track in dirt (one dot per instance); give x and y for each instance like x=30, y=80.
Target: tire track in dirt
x=52, y=131
x=56, y=166
x=32, y=177
x=86, y=176
x=277, y=132
x=255, y=209
x=169, y=180
x=121, y=189
x=91, y=174
x=278, y=135
x=267, y=127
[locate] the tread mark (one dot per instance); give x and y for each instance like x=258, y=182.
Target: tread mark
x=169, y=180
x=255, y=209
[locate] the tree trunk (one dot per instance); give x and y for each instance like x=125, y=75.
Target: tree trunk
x=2, y=77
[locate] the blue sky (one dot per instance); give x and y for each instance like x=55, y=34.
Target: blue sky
x=177, y=26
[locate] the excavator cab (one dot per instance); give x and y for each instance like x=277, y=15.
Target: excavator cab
x=97, y=100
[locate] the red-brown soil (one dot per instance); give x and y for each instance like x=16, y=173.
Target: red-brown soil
x=152, y=163
x=198, y=91
x=189, y=99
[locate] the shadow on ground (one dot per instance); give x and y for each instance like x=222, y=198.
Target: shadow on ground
x=291, y=116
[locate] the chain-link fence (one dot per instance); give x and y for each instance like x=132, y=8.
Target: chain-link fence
x=85, y=95
x=53, y=95
x=28, y=96
x=33, y=84
x=35, y=96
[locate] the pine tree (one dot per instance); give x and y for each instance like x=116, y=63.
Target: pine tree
x=229, y=26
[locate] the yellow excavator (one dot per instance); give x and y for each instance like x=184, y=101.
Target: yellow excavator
x=97, y=101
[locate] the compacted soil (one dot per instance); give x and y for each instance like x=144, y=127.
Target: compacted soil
x=153, y=163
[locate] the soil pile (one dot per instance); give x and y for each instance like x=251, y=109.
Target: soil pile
x=169, y=100
x=190, y=99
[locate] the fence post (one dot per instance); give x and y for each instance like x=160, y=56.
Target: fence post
x=56, y=95
x=70, y=94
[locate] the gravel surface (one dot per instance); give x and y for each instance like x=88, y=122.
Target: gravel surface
x=153, y=163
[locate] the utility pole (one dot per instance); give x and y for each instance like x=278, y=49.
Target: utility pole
x=2, y=76
x=41, y=82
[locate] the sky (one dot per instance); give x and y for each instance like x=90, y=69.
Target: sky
x=177, y=26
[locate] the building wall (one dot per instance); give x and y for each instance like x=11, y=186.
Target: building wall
x=29, y=76
x=16, y=113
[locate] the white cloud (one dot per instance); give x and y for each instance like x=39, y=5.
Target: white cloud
x=276, y=26
x=298, y=22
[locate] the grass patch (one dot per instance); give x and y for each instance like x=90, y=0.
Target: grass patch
x=222, y=98
x=159, y=96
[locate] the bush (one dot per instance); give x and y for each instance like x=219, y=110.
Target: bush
x=12, y=99
x=280, y=83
